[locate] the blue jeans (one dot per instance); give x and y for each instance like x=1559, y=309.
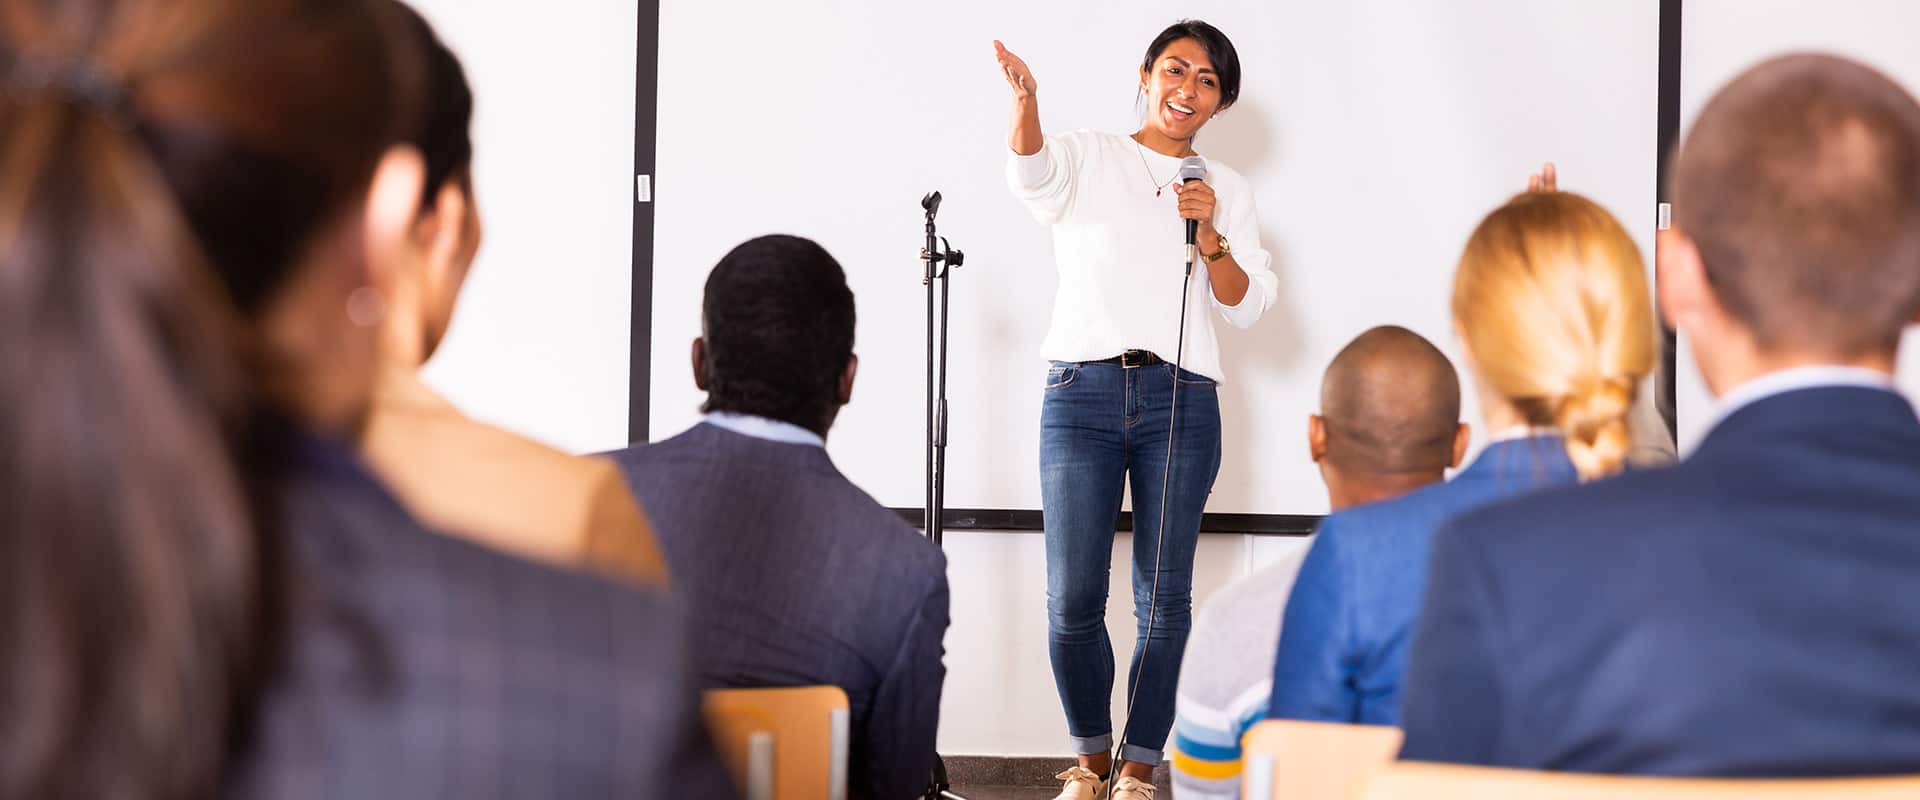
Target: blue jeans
x=1101, y=424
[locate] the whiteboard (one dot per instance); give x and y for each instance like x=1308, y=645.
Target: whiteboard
x=1720, y=39
x=1376, y=133
x=540, y=338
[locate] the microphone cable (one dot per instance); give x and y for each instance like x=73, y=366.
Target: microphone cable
x=1160, y=532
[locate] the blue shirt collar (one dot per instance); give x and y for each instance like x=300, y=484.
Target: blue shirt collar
x=1794, y=379
x=771, y=430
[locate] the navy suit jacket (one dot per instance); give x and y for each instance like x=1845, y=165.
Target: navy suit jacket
x=1751, y=611
x=793, y=576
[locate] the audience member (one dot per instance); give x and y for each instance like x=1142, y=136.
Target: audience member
x=1550, y=301
x=458, y=475
x=204, y=594
x=1389, y=424
x=1749, y=611
x=791, y=574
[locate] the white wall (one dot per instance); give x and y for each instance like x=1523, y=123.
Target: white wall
x=1722, y=38
x=540, y=341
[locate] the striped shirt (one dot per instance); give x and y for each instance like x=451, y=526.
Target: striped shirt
x=1226, y=678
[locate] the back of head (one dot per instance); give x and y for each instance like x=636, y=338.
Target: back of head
x=444, y=133
x=1390, y=402
x=424, y=304
x=778, y=323
x=1551, y=300
x=165, y=165
x=1800, y=185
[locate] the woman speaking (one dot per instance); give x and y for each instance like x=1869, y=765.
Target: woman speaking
x=1115, y=203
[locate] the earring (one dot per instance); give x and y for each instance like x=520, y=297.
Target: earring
x=366, y=307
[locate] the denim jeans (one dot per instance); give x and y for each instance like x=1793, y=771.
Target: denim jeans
x=1101, y=424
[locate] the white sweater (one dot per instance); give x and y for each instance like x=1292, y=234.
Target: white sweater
x=1120, y=250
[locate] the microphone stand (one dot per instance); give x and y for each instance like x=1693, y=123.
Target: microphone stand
x=938, y=260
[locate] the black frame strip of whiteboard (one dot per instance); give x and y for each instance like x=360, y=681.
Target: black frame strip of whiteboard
x=646, y=126
x=646, y=111
x=1023, y=521
x=1668, y=138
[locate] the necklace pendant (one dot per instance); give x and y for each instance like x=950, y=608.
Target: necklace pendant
x=1156, y=193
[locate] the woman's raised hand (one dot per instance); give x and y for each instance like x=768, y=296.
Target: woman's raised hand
x=1018, y=76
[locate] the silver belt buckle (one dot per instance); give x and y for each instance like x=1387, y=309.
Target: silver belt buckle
x=1127, y=359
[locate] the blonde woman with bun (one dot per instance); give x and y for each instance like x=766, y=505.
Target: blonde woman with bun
x=1552, y=307
x=1552, y=304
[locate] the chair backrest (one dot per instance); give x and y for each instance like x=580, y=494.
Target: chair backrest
x=783, y=744
x=1406, y=780
x=1293, y=759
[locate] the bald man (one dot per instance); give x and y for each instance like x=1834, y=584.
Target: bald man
x=1389, y=424
x=1389, y=418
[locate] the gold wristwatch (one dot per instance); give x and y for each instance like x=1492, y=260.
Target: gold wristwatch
x=1226, y=249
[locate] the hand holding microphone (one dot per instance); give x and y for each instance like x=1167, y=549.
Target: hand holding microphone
x=1196, y=206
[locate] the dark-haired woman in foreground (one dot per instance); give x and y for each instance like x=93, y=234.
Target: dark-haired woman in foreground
x=204, y=594
x=1116, y=205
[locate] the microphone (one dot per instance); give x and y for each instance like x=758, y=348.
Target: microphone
x=1192, y=168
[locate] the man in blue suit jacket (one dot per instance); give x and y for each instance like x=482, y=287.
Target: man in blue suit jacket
x=790, y=574
x=1754, y=610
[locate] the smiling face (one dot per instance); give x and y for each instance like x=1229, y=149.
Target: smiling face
x=1182, y=89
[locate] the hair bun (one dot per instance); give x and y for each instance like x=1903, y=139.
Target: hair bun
x=1594, y=420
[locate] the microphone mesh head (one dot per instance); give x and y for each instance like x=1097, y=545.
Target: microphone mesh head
x=1193, y=168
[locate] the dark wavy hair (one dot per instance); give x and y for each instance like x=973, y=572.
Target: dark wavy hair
x=1226, y=60
x=778, y=320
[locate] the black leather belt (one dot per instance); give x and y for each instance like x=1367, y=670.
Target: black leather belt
x=1133, y=359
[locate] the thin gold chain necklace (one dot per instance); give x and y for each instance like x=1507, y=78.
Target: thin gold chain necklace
x=1158, y=186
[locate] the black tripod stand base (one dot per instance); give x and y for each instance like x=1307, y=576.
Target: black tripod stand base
x=939, y=788
x=940, y=782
